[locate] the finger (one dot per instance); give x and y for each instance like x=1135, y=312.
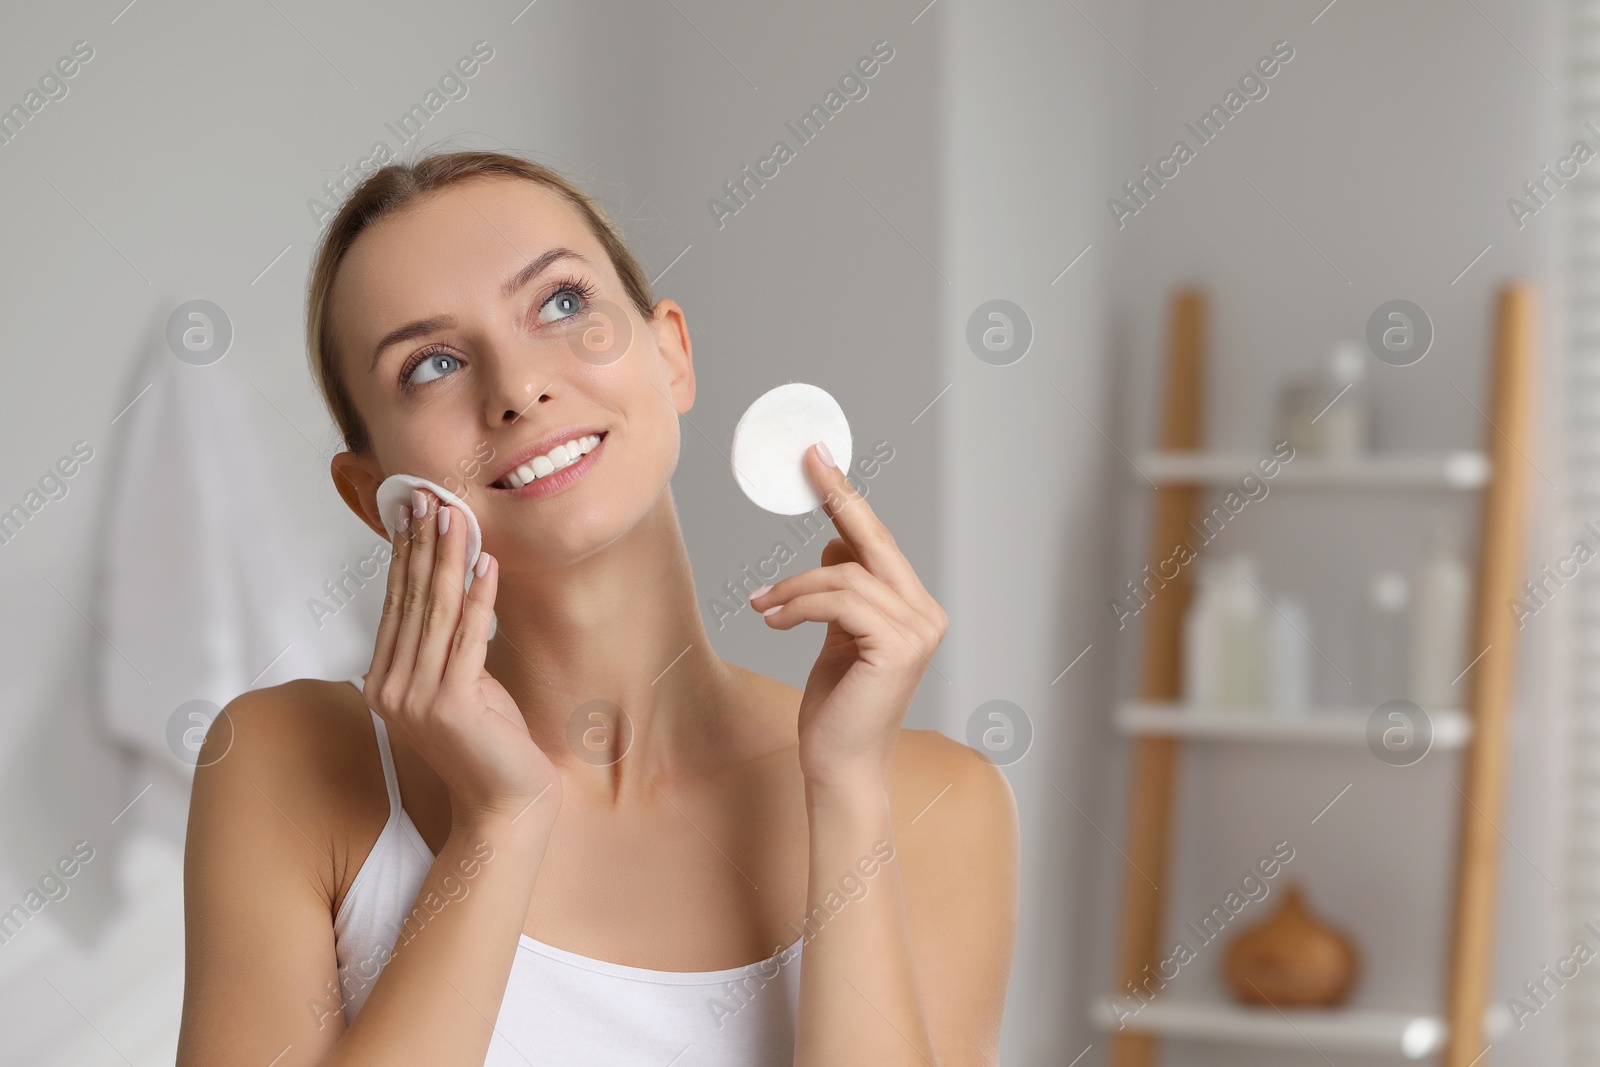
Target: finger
x=890, y=624
x=838, y=550
x=444, y=602
x=471, y=644
x=393, y=598
x=847, y=575
x=876, y=643
x=845, y=608
x=869, y=539
x=424, y=532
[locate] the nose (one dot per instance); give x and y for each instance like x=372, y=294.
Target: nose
x=512, y=387
x=510, y=415
x=516, y=372
x=510, y=409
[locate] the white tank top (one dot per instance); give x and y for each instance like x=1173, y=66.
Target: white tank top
x=563, y=1008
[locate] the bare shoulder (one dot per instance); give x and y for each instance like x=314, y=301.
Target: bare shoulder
x=306, y=736
x=937, y=783
x=293, y=718
x=274, y=807
x=299, y=758
x=956, y=844
x=946, y=797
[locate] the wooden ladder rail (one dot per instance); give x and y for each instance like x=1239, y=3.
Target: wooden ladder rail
x=1500, y=558
x=1156, y=758
x=1155, y=761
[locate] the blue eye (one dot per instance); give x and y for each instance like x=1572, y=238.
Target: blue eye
x=567, y=302
x=436, y=365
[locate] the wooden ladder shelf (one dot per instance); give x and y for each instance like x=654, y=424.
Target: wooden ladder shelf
x=1156, y=755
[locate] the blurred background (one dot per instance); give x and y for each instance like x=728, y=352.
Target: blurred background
x=1343, y=345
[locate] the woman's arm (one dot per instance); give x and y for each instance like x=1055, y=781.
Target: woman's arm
x=436, y=1000
x=261, y=979
x=928, y=859
x=858, y=992
x=865, y=997
x=258, y=885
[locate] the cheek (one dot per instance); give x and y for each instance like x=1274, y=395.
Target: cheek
x=638, y=395
x=438, y=445
x=650, y=429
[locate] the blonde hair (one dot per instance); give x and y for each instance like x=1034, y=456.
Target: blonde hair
x=392, y=188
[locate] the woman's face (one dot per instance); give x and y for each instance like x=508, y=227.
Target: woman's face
x=462, y=364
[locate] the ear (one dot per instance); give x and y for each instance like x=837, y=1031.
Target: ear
x=671, y=332
x=358, y=485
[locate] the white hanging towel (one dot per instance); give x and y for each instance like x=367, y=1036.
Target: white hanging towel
x=207, y=575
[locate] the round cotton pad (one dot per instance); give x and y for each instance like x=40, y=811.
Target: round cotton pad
x=396, y=490
x=770, y=442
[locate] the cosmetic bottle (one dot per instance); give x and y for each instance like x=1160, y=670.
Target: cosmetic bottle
x=1300, y=401
x=1288, y=659
x=1385, y=640
x=1439, y=623
x=1241, y=663
x=1344, y=424
x=1200, y=635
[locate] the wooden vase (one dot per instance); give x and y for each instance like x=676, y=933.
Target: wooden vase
x=1292, y=960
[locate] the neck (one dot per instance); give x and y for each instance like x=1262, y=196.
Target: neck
x=617, y=629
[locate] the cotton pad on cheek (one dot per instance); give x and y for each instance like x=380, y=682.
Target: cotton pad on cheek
x=396, y=492
x=770, y=442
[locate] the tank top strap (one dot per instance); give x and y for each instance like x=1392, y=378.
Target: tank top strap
x=391, y=783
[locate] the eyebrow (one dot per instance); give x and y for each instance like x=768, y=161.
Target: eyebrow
x=423, y=327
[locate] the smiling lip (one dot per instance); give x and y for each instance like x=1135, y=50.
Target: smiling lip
x=559, y=480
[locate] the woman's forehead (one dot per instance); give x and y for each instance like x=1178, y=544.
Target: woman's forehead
x=457, y=243
x=473, y=226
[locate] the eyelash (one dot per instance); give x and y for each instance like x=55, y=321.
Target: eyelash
x=581, y=287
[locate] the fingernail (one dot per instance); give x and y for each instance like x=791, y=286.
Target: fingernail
x=444, y=521
x=403, y=522
x=481, y=568
x=419, y=504
x=827, y=457
x=758, y=592
x=769, y=611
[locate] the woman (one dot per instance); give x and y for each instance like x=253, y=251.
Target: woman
x=553, y=827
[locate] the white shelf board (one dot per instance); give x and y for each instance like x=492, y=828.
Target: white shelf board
x=1377, y=470
x=1331, y=726
x=1358, y=1030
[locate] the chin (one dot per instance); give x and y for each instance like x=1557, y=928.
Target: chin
x=562, y=537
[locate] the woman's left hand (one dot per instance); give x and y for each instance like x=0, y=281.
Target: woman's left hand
x=883, y=627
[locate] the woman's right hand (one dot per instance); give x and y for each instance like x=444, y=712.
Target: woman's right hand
x=427, y=678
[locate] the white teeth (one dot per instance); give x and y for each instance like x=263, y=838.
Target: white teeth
x=563, y=455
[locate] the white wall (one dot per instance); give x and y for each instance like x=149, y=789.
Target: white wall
x=1029, y=114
